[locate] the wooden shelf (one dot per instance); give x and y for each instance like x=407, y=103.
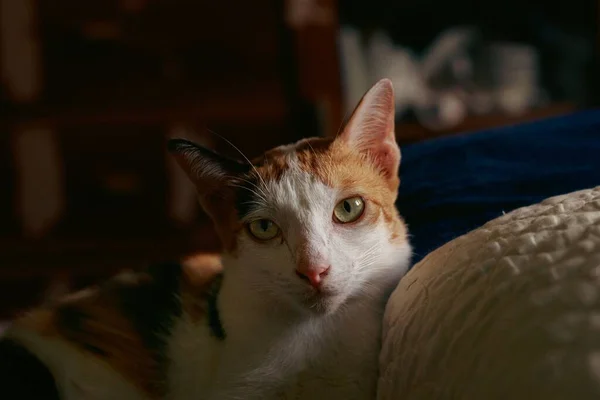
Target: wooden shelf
x=256, y=103
x=413, y=132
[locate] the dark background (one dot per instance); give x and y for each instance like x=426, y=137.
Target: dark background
x=91, y=90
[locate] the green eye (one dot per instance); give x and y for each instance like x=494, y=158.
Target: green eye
x=349, y=210
x=263, y=229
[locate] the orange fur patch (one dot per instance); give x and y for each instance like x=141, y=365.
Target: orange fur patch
x=199, y=271
x=201, y=268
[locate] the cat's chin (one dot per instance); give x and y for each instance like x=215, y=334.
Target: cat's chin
x=323, y=304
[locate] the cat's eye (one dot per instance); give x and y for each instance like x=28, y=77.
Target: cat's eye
x=263, y=229
x=349, y=210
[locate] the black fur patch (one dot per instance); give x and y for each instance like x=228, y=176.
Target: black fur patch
x=23, y=375
x=214, y=320
x=154, y=306
x=73, y=318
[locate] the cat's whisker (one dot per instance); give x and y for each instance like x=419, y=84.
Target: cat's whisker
x=374, y=270
x=369, y=256
x=259, y=189
x=253, y=184
x=342, y=124
x=375, y=247
x=254, y=192
x=311, y=147
x=249, y=190
x=367, y=259
x=242, y=154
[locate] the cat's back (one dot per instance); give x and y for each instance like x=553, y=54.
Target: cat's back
x=113, y=341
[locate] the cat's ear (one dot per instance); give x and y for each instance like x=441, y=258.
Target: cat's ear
x=370, y=129
x=208, y=170
x=212, y=175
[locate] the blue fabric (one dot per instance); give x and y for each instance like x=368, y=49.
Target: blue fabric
x=452, y=185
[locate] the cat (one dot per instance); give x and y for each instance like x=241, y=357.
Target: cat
x=292, y=309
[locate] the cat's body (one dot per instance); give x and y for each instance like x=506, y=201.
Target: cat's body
x=313, y=246
x=116, y=341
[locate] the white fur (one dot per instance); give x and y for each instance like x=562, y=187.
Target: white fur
x=78, y=376
x=277, y=347
x=193, y=355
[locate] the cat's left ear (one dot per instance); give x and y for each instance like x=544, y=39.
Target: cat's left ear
x=370, y=129
x=207, y=169
x=212, y=175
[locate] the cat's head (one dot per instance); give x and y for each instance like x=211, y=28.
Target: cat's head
x=313, y=222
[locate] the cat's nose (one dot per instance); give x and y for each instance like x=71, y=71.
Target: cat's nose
x=313, y=274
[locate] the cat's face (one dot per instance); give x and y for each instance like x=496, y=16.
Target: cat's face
x=312, y=223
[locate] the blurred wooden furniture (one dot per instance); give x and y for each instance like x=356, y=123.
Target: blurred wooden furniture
x=91, y=91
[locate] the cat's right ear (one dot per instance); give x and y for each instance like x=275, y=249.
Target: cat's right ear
x=370, y=129
x=208, y=170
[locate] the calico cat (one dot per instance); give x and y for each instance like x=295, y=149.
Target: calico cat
x=313, y=245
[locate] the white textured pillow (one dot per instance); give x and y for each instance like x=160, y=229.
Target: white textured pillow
x=508, y=311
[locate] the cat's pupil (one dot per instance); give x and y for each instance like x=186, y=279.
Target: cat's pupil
x=264, y=224
x=347, y=206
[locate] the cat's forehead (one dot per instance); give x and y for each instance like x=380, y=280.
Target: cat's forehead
x=334, y=164
x=286, y=170
x=305, y=154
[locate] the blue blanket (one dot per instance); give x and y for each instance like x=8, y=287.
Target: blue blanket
x=452, y=185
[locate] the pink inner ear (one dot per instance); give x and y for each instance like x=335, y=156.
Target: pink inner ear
x=388, y=158
x=371, y=127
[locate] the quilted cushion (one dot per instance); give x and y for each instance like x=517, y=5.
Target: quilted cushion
x=508, y=311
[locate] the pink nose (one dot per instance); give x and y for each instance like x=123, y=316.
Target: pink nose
x=313, y=274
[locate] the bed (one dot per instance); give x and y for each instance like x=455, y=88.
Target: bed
x=507, y=305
